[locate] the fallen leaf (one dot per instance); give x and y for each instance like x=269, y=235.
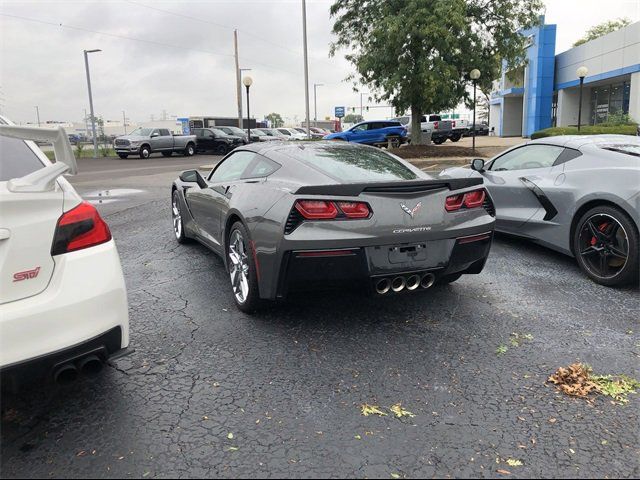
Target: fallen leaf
x=230, y=436
x=512, y=462
x=358, y=437
x=367, y=410
x=552, y=420
x=395, y=475
x=232, y=449
x=81, y=453
x=503, y=472
x=400, y=412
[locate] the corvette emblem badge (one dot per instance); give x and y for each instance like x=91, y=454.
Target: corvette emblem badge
x=411, y=211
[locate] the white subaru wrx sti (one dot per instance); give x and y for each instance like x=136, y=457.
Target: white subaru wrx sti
x=63, y=301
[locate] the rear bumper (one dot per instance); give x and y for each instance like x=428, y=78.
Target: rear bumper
x=306, y=270
x=86, y=297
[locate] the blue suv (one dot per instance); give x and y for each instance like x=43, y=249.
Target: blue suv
x=377, y=133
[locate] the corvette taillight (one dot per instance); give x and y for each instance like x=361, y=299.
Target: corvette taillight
x=80, y=227
x=329, y=210
x=472, y=199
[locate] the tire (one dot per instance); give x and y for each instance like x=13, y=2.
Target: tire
x=395, y=142
x=456, y=137
x=145, y=152
x=446, y=279
x=606, y=244
x=176, y=217
x=167, y=154
x=242, y=269
x=123, y=155
x=190, y=151
x=221, y=150
x=439, y=141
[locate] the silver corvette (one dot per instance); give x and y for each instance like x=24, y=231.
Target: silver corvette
x=296, y=216
x=579, y=195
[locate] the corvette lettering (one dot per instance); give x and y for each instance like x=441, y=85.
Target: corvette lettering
x=26, y=275
x=412, y=230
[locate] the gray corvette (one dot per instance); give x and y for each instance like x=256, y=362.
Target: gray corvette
x=579, y=195
x=299, y=216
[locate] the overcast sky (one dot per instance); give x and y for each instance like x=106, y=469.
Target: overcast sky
x=182, y=61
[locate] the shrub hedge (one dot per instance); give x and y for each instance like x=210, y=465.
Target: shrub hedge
x=587, y=130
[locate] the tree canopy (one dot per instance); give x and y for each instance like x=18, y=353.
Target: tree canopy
x=417, y=54
x=602, y=29
x=353, y=118
x=275, y=119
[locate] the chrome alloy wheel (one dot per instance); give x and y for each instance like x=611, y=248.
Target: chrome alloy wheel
x=604, y=245
x=238, y=266
x=176, y=216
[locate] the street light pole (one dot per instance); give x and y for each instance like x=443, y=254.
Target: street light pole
x=315, y=104
x=475, y=75
x=361, y=94
x=582, y=72
x=124, y=122
x=247, y=83
x=306, y=64
x=38, y=114
x=93, y=118
x=240, y=70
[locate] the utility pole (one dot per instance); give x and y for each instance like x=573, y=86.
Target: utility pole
x=93, y=118
x=361, y=94
x=124, y=122
x=38, y=114
x=238, y=80
x=306, y=64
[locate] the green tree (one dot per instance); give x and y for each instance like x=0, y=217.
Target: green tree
x=352, y=118
x=417, y=54
x=275, y=119
x=602, y=29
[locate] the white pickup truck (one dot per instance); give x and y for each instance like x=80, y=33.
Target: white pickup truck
x=145, y=141
x=440, y=129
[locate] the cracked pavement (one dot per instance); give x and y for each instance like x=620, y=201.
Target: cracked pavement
x=213, y=392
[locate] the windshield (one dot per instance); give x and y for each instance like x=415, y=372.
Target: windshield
x=300, y=130
x=349, y=164
x=143, y=132
x=259, y=133
x=236, y=131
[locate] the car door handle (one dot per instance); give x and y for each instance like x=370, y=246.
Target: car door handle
x=5, y=233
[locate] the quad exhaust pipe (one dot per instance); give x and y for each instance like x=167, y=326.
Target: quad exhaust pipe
x=68, y=372
x=411, y=282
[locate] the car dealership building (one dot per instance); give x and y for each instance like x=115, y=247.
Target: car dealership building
x=544, y=91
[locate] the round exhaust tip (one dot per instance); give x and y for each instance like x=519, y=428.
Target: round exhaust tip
x=428, y=280
x=398, y=284
x=383, y=286
x=413, y=282
x=90, y=366
x=66, y=374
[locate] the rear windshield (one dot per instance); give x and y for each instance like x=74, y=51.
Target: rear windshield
x=628, y=149
x=349, y=164
x=16, y=159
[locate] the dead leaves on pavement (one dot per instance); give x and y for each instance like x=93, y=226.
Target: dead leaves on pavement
x=396, y=409
x=578, y=380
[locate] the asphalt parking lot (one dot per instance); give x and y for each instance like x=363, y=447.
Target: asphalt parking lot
x=213, y=392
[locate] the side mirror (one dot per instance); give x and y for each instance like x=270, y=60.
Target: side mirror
x=477, y=164
x=193, y=176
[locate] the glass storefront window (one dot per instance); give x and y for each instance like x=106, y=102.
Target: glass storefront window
x=609, y=99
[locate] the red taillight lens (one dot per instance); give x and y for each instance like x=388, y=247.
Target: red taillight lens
x=317, y=209
x=355, y=209
x=474, y=199
x=468, y=200
x=435, y=125
x=79, y=228
x=454, y=202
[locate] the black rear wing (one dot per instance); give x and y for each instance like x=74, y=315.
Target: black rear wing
x=397, y=187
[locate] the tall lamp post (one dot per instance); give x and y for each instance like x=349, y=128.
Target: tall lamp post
x=581, y=72
x=247, y=83
x=93, y=118
x=361, y=94
x=315, y=103
x=38, y=114
x=475, y=75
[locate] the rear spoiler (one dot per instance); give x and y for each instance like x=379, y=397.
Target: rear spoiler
x=397, y=187
x=42, y=180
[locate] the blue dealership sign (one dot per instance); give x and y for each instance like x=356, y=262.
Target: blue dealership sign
x=339, y=112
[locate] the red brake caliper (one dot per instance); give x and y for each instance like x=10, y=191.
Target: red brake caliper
x=602, y=228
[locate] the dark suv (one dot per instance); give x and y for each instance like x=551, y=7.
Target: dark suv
x=214, y=140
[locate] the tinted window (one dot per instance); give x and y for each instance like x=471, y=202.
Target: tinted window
x=198, y=132
x=232, y=167
x=566, y=155
x=262, y=168
x=16, y=159
x=529, y=156
x=286, y=132
x=360, y=128
x=348, y=164
x=434, y=118
x=164, y=132
x=628, y=149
